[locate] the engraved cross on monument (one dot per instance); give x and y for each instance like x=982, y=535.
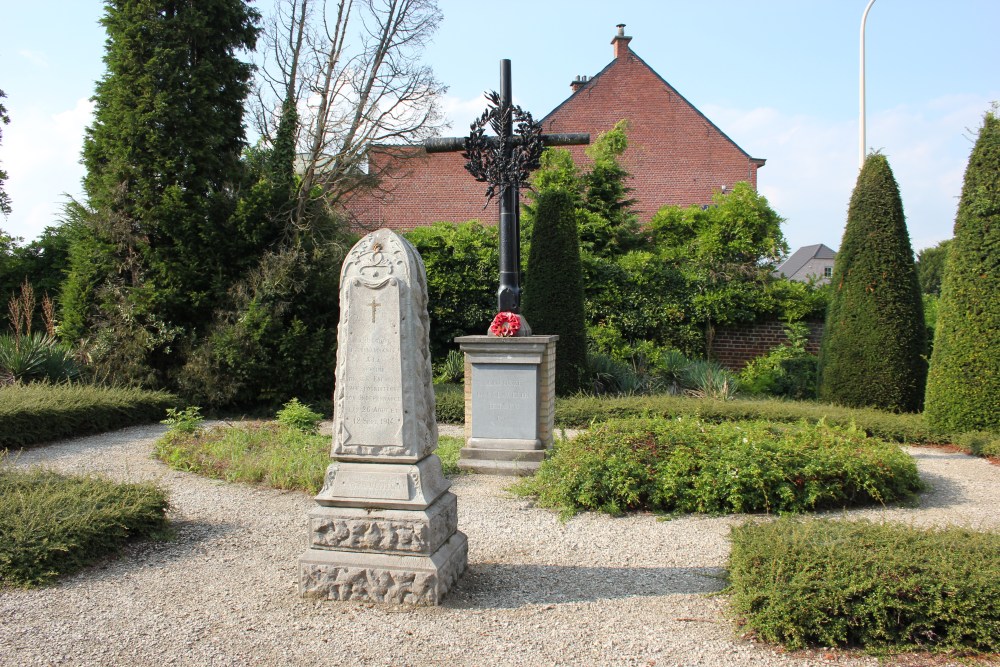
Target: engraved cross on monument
x=385, y=525
x=509, y=382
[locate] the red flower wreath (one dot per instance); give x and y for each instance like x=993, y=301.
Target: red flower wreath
x=505, y=325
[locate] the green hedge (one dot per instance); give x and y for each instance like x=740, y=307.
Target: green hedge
x=963, y=388
x=36, y=413
x=687, y=465
x=874, y=340
x=857, y=584
x=53, y=524
x=582, y=411
x=450, y=403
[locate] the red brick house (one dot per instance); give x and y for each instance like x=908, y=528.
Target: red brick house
x=676, y=155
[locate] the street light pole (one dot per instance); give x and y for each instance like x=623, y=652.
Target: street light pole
x=861, y=139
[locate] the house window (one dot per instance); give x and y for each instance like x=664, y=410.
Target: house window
x=827, y=271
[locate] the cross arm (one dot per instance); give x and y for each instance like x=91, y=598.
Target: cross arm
x=456, y=144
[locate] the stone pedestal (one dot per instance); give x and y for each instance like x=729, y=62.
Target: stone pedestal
x=509, y=403
x=385, y=525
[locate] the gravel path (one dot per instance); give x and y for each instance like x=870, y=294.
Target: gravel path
x=593, y=591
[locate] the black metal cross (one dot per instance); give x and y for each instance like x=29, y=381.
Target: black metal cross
x=504, y=162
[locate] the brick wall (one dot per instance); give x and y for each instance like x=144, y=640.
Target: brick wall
x=420, y=190
x=675, y=154
x=733, y=347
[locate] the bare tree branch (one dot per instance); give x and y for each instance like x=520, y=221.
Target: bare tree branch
x=352, y=69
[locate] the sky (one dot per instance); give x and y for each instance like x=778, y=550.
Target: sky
x=779, y=77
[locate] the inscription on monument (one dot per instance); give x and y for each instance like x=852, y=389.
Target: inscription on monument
x=504, y=401
x=377, y=485
x=373, y=401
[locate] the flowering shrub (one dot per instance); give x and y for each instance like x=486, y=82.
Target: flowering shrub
x=505, y=325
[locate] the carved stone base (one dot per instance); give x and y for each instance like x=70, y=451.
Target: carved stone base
x=416, y=580
x=404, y=532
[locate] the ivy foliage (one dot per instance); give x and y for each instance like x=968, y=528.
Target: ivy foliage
x=461, y=263
x=874, y=339
x=963, y=388
x=726, y=253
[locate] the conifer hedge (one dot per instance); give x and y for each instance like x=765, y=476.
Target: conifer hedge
x=553, y=297
x=963, y=388
x=874, y=339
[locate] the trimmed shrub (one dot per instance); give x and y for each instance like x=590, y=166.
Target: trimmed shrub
x=449, y=403
x=858, y=584
x=461, y=263
x=963, y=389
x=39, y=412
x=53, y=524
x=553, y=296
x=688, y=465
x=874, y=339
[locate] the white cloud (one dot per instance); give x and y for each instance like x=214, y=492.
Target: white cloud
x=812, y=163
x=461, y=112
x=41, y=153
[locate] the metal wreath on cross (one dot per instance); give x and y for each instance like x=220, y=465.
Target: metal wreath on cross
x=503, y=160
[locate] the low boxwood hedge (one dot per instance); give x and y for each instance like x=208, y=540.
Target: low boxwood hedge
x=857, y=584
x=689, y=465
x=38, y=412
x=53, y=524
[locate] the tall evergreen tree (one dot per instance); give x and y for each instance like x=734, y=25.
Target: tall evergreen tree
x=963, y=387
x=162, y=157
x=874, y=339
x=553, y=296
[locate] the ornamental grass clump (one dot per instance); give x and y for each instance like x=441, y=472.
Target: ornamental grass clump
x=53, y=524
x=687, y=465
x=857, y=584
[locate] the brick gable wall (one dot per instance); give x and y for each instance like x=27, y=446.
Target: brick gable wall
x=675, y=154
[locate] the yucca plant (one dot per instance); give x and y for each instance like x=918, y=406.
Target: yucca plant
x=610, y=376
x=37, y=356
x=452, y=369
x=671, y=371
x=707, y=379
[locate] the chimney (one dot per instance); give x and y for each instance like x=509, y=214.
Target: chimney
x=620, y=42
x=579, y=82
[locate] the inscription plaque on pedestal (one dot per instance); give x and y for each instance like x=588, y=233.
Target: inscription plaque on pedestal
x=504, y=401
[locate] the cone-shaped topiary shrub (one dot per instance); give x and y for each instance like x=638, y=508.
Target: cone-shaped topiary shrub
x=963, y=388
x=553, y=297
x=874, y=339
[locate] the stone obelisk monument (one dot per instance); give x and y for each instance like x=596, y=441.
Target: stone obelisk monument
x=385, y=528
